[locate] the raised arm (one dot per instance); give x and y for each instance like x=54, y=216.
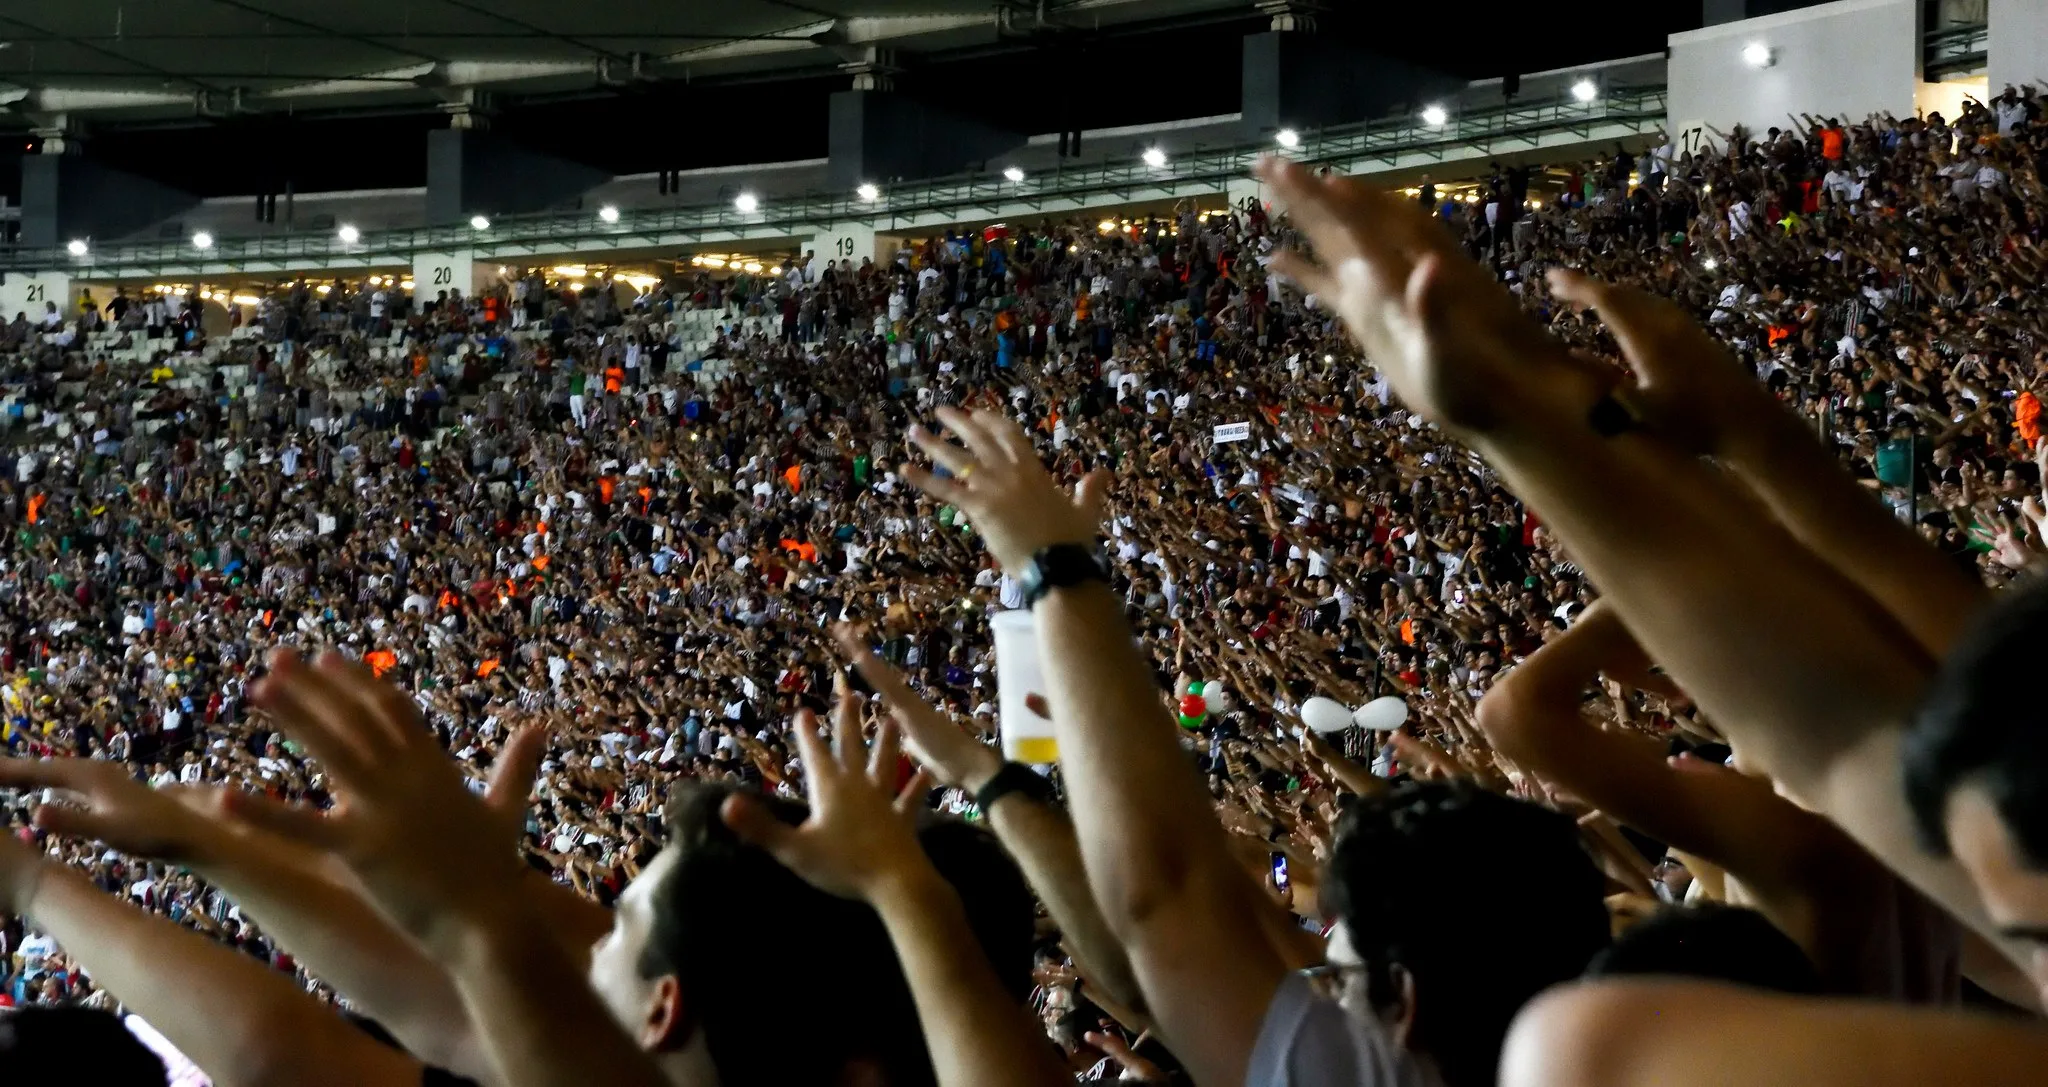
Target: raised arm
x=245, y=1024
x=1158, y=860
x=859, y=842
x=1811, y=677
x=1038, y=834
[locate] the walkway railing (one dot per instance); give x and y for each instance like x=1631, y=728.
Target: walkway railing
x=1357, y=148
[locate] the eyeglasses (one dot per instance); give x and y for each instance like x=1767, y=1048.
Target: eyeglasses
x=1329, y=980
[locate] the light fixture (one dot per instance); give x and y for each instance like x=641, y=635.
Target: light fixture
x=608, y=213
x=577, y=286
x=1585, y=90
x=570, y=271
x=868, y=192
x=746, y=202
x=1014, y=174
x=502, y=270
x=406, y=285
x=247, y=300
x=1435, y=116
x=202, y=240
x=323, y=288
x=77, y=248
x=1107, y=226
x=478, y=222
x=348, y=234
x=1758, y=55
x=1154, y=157
x=1288, y=138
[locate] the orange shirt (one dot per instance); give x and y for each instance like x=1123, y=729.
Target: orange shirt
x=794, y=476
x=380, y=661
x=2026, y=417
x=613, y=378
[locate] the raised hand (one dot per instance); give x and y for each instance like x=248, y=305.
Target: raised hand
x=953, y=757
x=1453, y=344
x=860, y=839
x=431, y=855
x=102, y=801
x=999, y=481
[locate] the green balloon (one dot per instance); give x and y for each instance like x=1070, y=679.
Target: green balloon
x=1192, y=722
x=1194, y=686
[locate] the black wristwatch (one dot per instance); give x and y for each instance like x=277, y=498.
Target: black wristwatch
x=1015, y=777
x=1058, y=567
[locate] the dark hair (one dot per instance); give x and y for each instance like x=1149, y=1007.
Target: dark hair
x=1442, y=879
x=1981, y=724
x=1713, y=941
x=57, y=1045
x=755, y=948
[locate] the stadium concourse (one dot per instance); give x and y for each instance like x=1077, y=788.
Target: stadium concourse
x=511, y=688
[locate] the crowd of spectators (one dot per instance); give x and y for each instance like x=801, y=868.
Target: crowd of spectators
x=628, y=571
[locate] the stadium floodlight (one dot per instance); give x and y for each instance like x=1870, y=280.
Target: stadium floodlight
x=1014, y=174
x=1758, y=55
x=77, y=248
x=1435, y=116
x=608, y=213
x=479, y=222
x=1585, y=90
x=868, y=192
x=1154, y=157
x=348, y=234
x=202, y=240
x=747, y=202
x=1288, y=138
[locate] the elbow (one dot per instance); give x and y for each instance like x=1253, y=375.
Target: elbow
x=1511, y=714
x=1573, y=1036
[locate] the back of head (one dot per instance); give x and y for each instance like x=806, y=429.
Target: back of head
x=1715, y=942
x=81, y=1045
x=755, y=948
x=1981, y=725
x=1482, y=900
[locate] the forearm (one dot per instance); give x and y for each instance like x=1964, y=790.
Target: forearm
x=1141, y=818
x=1717, y=592
x=1808, y=492
x=330, y=928
x=536, y=1016
x=1042, y=840
x=976, y=1034
x=239, y=1020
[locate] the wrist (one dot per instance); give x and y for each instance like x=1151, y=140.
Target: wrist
x=907, y=890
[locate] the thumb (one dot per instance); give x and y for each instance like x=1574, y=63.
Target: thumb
x=512, y=775
x=1091, y=494
x=752, y=823
x=84, y=823
x=1649, y=329
x=293, y=822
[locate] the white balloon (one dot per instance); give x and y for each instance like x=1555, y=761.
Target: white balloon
x=1382, y=714
x=1325, y=714
x=1218, y=697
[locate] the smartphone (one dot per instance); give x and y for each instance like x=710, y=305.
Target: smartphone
x=1280, y=870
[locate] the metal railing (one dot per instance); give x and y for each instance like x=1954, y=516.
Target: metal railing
x=1962, y=48
x=1358, y=147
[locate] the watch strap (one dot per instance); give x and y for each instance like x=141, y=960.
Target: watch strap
x=1014, y=777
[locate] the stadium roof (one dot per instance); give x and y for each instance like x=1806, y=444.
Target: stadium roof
x=108, y=59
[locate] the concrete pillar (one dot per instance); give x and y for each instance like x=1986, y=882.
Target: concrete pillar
x=876, y=136
x=473, y=171
x=2019, y=45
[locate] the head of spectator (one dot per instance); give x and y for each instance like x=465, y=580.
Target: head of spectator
x=1977, y=766
x=716, y=948
x=1711, y=941
x=59, y=1044
x=1446, y=955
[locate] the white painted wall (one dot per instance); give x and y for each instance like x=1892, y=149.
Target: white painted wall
x=433, y=273
x=1847, y=59
x=2019, y=44
x=25, y=292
